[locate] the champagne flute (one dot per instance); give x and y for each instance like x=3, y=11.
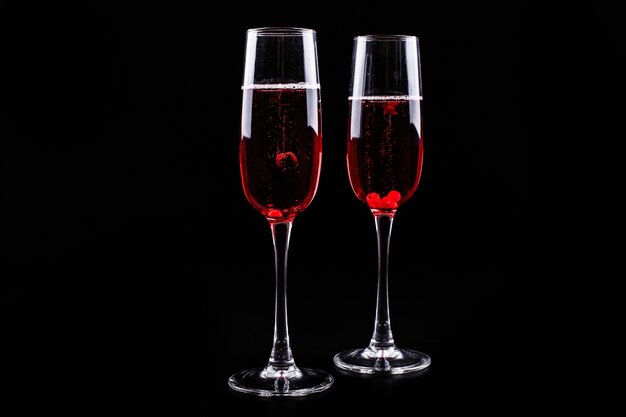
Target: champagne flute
x=280, y=155
x=384, y=160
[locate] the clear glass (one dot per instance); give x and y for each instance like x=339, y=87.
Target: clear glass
x=280, y=156
x=384, y=154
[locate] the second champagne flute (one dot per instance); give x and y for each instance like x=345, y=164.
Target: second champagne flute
x=280, y=156
x=384, y=160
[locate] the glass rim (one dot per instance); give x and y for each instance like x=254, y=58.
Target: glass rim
x=386, y=37
x=280, y=30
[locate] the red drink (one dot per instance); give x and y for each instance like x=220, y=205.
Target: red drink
x=384, y=149
x=280, y=151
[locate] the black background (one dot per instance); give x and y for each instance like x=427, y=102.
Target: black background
x=137, y=278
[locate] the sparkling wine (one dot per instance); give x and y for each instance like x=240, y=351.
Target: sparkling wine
x=384, y=149
x=280, y=149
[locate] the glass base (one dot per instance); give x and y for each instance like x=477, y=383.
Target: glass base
x=270, y=381
x=391, y=360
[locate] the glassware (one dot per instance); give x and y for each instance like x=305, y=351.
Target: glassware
x=384, y=161
x=280, y=155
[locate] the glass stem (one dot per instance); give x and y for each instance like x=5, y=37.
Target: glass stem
x=382, y=337
x=281, y=357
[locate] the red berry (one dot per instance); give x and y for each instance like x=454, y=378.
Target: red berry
x=373, y=200
x=390, y=108
x=285, y=160
x=274, y=213
x=394, y=196
x=388, y=203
